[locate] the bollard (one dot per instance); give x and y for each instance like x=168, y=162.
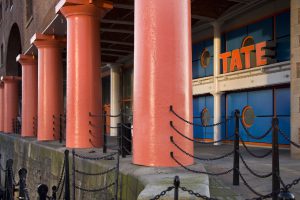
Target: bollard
x=42, y=191
x=67, y=176
x=9, y=185
x=54, y=190
x=236, y=159
x=275, y=160
x=286, y=195
x=104, y=134
x=22, y=183
x=176, y=185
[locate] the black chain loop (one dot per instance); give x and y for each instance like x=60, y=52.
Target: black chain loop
x=288, y=139
x=95, y=158
x=256, y=137
x=198, y=158
x=94, y=190
x=198, y=195
x=95, y=174
x=163, y=193
x=253, y=154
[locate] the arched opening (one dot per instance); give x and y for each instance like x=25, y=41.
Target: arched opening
x=13, y=68
x=14, y=48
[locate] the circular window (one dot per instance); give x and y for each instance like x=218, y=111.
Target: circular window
x=248, y=116
x=247, y=41
x=205, y=117
x=205, y=58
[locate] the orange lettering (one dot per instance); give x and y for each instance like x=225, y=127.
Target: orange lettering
x=247, y=50
x=261, y=53
x=236, y=60
x=224, y=56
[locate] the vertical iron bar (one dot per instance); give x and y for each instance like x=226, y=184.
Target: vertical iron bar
x=236, y=159
x=275, y=160
x=73, y=173
x=104, y=134
x=67, y=176
x=176, y=185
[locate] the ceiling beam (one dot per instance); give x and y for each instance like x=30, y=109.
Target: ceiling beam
x=109, y=21
x=117, y=42
x=204, y=18
x=116, y=30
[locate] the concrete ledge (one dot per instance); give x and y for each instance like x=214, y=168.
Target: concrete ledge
x=43, y=160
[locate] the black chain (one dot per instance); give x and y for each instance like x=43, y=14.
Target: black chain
x=94, y=190
x=200, y=172
x=253, y=154
x=287, y=138
x=196, y=141
x=255, y=137
x=94, y=126
x=163, y=193
x=195, y=124
x=198, y=195
x=198, y=158
x=251, y=171
x=289, y=186
x=95, y=158
x=95, y=174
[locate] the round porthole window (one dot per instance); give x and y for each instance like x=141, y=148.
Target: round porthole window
x=248, y=116
x=205, y=117
x=205, y=58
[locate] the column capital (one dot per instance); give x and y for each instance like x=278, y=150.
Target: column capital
x=217, y=23
x=45, y=40
x=83, y=7
x=215, y=93
x=114, y=65
x=6, y=79
x=26, y=59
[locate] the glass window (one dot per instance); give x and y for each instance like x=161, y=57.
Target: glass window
x=205, y=58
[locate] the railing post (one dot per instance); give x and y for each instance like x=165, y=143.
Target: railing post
x=73, y=173
x=104, y=134
x=275, y=160
x=42, y=191
x=9, y=187
x=236, y=159
x=176, y=185
x=22, y=183
x=67, y=176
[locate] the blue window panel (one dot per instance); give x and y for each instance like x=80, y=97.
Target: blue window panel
x=196, y=69
x=209, y=45
x=283, y=49
x=209, y=70
x=235, y=38
x=261, y=31
x=196, y=106
x=209, y=103
x=284, y=125
x=283, y=24
x=202, y=70
x=223, y=43
x=261, y=102
x=209, y=131
x=199, y=132
x=283, y=105
x=223, y=105
x=260, y=127
x=236, y=101
x=223, y=128
x=197, y=48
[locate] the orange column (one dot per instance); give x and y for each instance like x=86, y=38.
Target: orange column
x=162, y=77
x=29, y=93
x=1, y=106
x=10, y=102
x=83, y=72
x=50, y=85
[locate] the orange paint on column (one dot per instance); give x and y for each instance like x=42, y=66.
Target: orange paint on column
x=10, y=102
x=162, y=77
x=1, y=106
x=83, y=72
x=50, y=85
x=29, y=93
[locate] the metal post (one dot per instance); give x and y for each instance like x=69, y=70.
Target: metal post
x=42, y=191
x=275, y=160
x=67, y=176
x=22, y=183
x=236, y=159
x=176, y=185
x=117, y=176
x=104, y=134
x=73, y=173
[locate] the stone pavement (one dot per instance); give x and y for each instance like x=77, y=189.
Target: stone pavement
x=221, y=186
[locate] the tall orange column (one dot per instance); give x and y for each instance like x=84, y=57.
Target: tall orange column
x=10, y=102
x=50, y=85
x=162, y=77
x=1, y=106
x=29, y=93
x=83, y=72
